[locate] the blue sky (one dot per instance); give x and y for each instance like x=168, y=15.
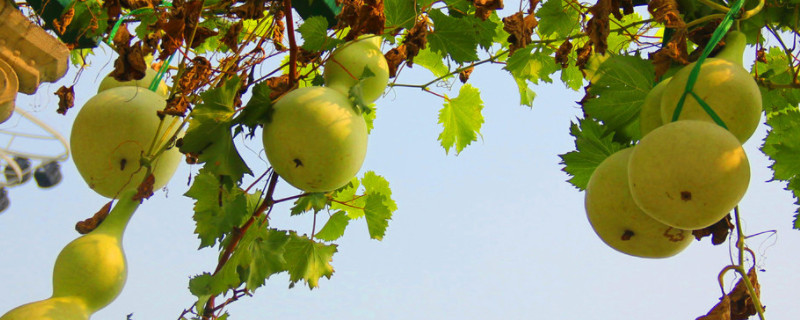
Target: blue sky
x=493, y=233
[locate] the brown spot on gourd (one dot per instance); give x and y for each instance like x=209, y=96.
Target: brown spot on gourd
x=122, y=164
x=297, y=163
x=686, y=195
x=674, y=234
x=627, y=235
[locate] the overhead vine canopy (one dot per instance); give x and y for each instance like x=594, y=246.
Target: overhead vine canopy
x=213, y=54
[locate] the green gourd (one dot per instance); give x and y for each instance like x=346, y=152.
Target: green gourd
x=725, y=85
x=89, y=272
x=650, y=116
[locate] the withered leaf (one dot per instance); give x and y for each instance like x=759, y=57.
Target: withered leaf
x=416, y=40
x=196, y=75
x=60, y=24
x=145, y=189
x=231, y=37
x=362, y=16
x=584, y=53
x=484, y=8
x=123, y=36
x=520, y=29
x=86, y=226
x=737, y=304
x=130, y=64
x=66, y=99
x=562, y=54
x=394, y=58
x=463, y=76
x=666, y=12
x=177, y=105
x=718, y=231
x=251, y=9
x=278, y=86
x=113, y=8
x=674, y=51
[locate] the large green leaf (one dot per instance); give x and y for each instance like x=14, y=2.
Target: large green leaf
x=593, y=144
x=209, y=134
x=461, y=119
x=619, y=85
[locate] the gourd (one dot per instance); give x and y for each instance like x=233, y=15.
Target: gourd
x=724, y=85
x=619, y=222
x=346, y=66
x=149, y=75
x=89, y=273
x=688, y=174
x=315, y=140
x=112, y=132
x=650, y=116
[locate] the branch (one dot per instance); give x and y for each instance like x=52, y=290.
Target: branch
x=237, y=235
x=287, y=7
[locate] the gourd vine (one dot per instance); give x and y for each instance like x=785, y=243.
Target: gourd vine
x=670, y=96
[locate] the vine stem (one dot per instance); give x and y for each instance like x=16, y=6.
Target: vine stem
x=238, y=233
x=287, y=7
x=740, y=268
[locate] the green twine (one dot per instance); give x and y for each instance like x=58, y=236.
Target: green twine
x=161, y=71
x=721, y=30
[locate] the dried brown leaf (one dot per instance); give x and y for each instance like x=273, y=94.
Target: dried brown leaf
x=196, y=75
x=463, y=76
x=362, y=16
x=737, y=304
x=145, y=189
x=86, y=226
x=60, y=24
x=66, y=99
x=674, y=51
x=278, y=86
x=484, y=8
x=130, y=64
x=394, y=58
x=520, y=29
x=718, y=231
x=562, y=54
x=177, y=105
x=666, y=12
x=251, y=9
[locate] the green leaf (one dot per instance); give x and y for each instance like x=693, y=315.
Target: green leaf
x=313, y=201
x=399, y=14
x=618, y=88
x=532, y=65
x=620, y=41
x=315, y=34
x=572, y=77
x=346, y=200
x=782, y=145
x=308, y=260
x=376, y=184
x=593, y=144
x=377, y=214
x=334, y=228
x=218, y=207
x=265, y=248
x=485, y=30
x=461, y=119
x=209, y=133
x=557, y=19
x=258, y=109
x=453, y=37
x=526, y=94
x=432, y=61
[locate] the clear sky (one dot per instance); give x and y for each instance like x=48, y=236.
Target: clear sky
x=493, y=233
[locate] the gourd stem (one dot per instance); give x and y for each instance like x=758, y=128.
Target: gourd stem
x=119, y=216
x=740, y=268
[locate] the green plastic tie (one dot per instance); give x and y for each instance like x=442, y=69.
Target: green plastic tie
x=720, y=32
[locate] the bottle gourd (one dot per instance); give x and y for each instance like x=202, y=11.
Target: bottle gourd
x=89, y=272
